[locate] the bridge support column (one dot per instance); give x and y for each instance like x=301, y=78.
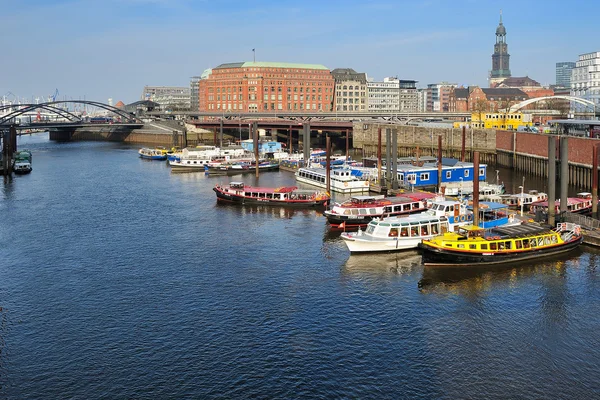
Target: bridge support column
x=552, y=180
x=347, y=145
x=13, y=138
x=6, y=153
x=388, y=158
x=564, y=174
x=306, y=143
x=61, y=135
x=221, y=133
x=394, y=159
x=595, y=181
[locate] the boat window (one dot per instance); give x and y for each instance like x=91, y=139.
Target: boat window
x=435, y=229
x=451, y=208
x=501, y=246
x=355, y=212
x=554, y=240
x=415, y=206
x=370, y=228
x=473, y=246
x=493, y=246
x=387, y=209
x=384, y=224
x=424, y=230
x=508, y=245
x=372, y=211
x=547, y=240
x=444, y=227
x=362, y=211
x=525, y=243
x=404, y=231
x=460, y=246
x=347, y=212
x=393, y=232
x=484, y=246
x=540, y=241
x=414, y=231
x=405, y=207
x=518, y=244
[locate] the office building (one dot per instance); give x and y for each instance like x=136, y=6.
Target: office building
x=585, y=80
x=563, y=74
x=350, y=90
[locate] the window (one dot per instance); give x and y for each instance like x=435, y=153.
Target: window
x=481, y=171
x=425, y=176
x=466, y=173
x=448, y=174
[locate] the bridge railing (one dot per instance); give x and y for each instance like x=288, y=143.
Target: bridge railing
x=582, y=220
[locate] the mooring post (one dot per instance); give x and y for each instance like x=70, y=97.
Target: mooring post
x=476, y=188
x=462, y=148
x=379, y=156
x=564, y=174
x=255, y=129
x=552, y=180
x=221, y=133
x=595, y=181
x=439, y=160
x=306, y=143
x=395, y=159
x=13, y=140
x=328, y=164
x=5, y=153
x=347, y=144
x=290, y=140
x=388, y=158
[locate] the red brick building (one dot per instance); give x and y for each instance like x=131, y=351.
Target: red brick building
x=475, y=98
x=266, y=87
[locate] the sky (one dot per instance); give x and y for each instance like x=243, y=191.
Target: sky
x=101, y=49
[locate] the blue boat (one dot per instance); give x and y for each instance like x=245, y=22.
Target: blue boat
x=426, y=174
x=153, y=154
x=493, y=214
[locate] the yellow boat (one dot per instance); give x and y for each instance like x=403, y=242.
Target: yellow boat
x=474, y=245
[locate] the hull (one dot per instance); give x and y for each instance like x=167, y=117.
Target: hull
x=227, y=197
x=147, y=157
x=444, y=257
x=228, y=171
x=357, y=221
x=356, y=245
x=352, y=187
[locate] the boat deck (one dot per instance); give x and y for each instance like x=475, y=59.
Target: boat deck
x=522, y=230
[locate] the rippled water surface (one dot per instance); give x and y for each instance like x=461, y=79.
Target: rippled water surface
x=119, y=279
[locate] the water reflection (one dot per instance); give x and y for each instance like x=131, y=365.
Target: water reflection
x=480, y=278
x=274, y=211
x=383, y=264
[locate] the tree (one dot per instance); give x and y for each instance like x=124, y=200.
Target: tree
x=480, y=106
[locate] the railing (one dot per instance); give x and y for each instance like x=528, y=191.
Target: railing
x=585, y=222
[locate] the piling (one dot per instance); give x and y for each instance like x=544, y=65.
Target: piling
x=328, y=164
x=595, y=181
x=564, y=174
x=439, y=163
x=6, y=153
x=388, y=158
x=290, y=140
x=379, y=156
x=552, y=180
x=476, y=188
x=221, y=134
x=395, y=159
x=462, y=149
x=255, y=137
x=13, y=139
x=347, y=145
x=306, y=142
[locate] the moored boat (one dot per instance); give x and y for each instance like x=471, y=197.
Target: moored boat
x=153, y=154
x=474, y=245
x=362, y=209
x=516, y=200
x=402, y=233
x=240, y=167
x=581, y=204
x=22, y=162
x=342, y=180
x=291, y=196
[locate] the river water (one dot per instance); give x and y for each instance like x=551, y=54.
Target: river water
x=119, y=279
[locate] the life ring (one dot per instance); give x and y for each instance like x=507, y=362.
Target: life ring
x=489, y=238
x=496, y=237
x=462, y=218
x=470, y=217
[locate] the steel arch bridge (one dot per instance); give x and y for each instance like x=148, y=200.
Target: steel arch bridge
x=574, y=99
x=52, y=106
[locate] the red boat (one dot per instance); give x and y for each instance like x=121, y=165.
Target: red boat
x=582, y=204
x=290, y=196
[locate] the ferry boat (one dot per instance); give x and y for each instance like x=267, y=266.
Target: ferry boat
x=240, y=168
x=153, y=154
x=582, y=204
x=342, y=180
x=402, y=233
x=362, y=209
x=474, y=245
x=184, y=164
x=238, y=192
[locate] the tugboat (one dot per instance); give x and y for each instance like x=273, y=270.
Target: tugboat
x=474, y=245
x=238, y=192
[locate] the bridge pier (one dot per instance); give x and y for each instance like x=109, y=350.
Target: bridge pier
x=61, y=135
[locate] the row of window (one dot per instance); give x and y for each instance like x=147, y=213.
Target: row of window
x=506, y=244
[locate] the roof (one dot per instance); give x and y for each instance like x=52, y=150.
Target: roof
x=521, y=230
x=519, y=81
x=489, y=206
x=461, y=93
x=268, y=64
x=504, y=92
x=347, y=74
x=574, y=121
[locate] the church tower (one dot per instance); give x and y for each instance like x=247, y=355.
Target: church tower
x=500, y=58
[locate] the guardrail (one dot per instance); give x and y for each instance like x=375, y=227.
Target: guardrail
x=582, y=220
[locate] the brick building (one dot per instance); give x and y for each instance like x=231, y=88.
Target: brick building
x=475, y=98
x=266, y=87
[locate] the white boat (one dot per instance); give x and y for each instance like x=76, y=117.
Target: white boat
x=402, y=233
x=518, y=199
x=184, y=164
x=341, y=180
x=466, y=188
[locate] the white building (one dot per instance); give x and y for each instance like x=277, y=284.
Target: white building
x=421, y=100
x=169, y=97
x=585, y=80
x=393, y=95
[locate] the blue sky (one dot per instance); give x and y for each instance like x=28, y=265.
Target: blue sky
x=99, y=49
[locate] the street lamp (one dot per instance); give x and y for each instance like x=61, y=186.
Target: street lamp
x=522, y=198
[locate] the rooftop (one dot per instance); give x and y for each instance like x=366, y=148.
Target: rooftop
x=268, y=64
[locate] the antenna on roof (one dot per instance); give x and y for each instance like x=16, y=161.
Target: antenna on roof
x=254, y=55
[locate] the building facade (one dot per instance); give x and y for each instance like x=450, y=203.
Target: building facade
x=585, y=80
x=421, y=100
x=393, y=95
x=563, y=74
x=266, y=87
x=168, y=97
x=476, y=99
x=500, y=58
x=350, y=90
x=438, y=96
x=194, y=93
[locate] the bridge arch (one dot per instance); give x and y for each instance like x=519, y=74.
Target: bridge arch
x=574, y=99
x=52, y=106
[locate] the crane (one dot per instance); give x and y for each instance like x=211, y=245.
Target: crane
x=53, y=96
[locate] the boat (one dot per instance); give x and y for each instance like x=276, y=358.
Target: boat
x=184, y=164
x=342, y=180
x=517, y=199
x=291, y=196
x=22, y=162
x=239, y=167
x=581, y=204
x=362, y=209
x=474, y=245
x=402, y=233
x=153, y=154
